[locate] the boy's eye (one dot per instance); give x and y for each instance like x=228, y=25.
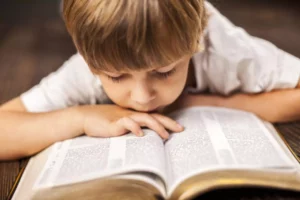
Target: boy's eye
x=160, y=75
x=164, y=75
x=115, y=79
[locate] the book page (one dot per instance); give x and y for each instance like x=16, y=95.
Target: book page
x=86, y=158
x=220, y=138
x=249, y=141
x=191, y=149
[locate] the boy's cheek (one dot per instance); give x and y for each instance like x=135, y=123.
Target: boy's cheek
x=115, y=93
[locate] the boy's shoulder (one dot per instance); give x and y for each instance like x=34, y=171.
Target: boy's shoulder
x=77, y=67
x=72, y=84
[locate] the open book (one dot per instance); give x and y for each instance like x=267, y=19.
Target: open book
x=219, y=148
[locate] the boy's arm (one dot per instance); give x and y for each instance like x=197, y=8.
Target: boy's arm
x=23, y=134
x=275, y=106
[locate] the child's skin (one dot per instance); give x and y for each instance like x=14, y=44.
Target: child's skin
x=141, y=92
x=142, y=98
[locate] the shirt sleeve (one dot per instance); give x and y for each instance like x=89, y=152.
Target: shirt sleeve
x=72, y=84
x=236, y=61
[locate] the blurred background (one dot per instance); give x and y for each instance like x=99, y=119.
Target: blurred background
x=34, y=41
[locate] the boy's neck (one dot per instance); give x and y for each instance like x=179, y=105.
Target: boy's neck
x=191, y=78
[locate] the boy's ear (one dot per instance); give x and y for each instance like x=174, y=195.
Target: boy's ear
x=94, y=71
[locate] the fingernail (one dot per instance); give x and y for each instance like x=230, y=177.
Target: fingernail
x=179, y=126
x=141, y=133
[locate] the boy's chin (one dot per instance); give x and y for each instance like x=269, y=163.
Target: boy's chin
x=161, y=109
x=156, y=110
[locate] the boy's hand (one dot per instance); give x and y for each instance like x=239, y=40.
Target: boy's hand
x=112, y=120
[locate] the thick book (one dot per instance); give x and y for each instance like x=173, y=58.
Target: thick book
x=219, y=148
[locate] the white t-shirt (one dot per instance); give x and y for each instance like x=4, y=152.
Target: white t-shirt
x=232, y=61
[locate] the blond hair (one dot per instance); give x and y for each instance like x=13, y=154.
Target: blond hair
x=116, y=35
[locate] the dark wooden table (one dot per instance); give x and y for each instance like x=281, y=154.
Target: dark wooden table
x=34, y=42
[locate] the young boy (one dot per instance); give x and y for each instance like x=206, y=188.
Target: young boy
x=141, y=56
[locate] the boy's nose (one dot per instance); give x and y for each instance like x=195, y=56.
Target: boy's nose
x=142, y=94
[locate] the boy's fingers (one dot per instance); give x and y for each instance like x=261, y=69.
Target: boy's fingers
x=125, y=125
x=168, y=123
x=150, y=122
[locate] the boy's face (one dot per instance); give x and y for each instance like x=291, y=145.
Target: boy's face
x=147, y=90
